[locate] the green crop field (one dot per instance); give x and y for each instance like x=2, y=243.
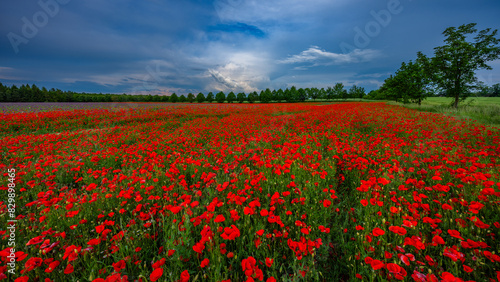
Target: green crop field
x=483, y=110
x=475, y=101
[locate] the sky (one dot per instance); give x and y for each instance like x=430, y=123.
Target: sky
x=162, y=47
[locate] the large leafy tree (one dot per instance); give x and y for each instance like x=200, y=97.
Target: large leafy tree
x=231, y=97
x=339, y=91
x=200, y=98
x=220, y=97
x=279, y=95
x=357, y=92
x=174, y=98
x=322, y=93
x=210, y=97
x=392, y=88
x=456, y=62
x=329, y=94
x=313, y=93
x=413, y=79
x=241, y=97
x=266, y=96
x=300, y=95
x=253, y=97
x=495, y=90
x=190, y=97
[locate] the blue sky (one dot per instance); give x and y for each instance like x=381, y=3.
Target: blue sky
x=161, y=47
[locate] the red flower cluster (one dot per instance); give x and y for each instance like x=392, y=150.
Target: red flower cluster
x=166, y=193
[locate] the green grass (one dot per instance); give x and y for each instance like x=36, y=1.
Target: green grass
x=484, y=110
x=473, y=101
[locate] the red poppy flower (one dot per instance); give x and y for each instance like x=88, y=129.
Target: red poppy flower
x=393, y=268
x=468, y=269
x=204, y=263
x=398, y=230
x=52, y=266
x=376, y=264
x=119, y=265
x=69, y=269
x=378, y=232
x=185, y=276
x=219, y=218
x=231, y=233
x=327, y=203
x=455, y=233
x=438, y=240
x=156, y=274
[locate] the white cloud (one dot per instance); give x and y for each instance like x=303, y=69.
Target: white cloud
x=245, y=71
x=234, y=77
x=319, y=57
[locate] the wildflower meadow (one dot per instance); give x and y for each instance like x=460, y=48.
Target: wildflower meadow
x=248, y=192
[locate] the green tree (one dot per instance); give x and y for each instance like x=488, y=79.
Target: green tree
x=339, y=91
x=231, y=97
x=322, y=93
x=300, y=95
x=455, y=63
x=182, y=99
x=329, y=94
x=278, y=95
x=190, y=98
x=392, y=88
x=314, y=93
x=356, y=92
x=210, y=97
x=286, y=95
x=2, y=92
x=266, y=96
x=252, y=97
x=200, y=98
x=414, y=79
x=241, y=97
x=220, y=97
x=495, y=90
x=292, y=94
x=173, y=98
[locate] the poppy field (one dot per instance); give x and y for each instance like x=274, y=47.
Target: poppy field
x=265, y=192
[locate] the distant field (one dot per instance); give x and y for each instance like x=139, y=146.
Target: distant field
x=475, y=101
x=484, y=110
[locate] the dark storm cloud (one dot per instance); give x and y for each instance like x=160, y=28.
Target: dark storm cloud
x=191, y=46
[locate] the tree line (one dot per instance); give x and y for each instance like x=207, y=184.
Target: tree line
x=451, y=72
x=27, y=93
x=289, y=95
